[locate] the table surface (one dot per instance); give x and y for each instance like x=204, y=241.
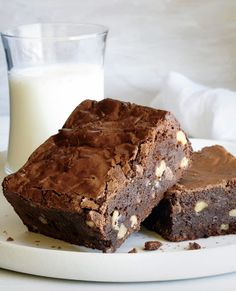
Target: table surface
x=16, y=281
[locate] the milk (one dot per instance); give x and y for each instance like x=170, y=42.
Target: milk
x=41, y=99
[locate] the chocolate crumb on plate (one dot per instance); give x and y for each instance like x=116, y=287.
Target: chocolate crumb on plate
x=133, y=251
x=152, y=245
x=10, y=239
x=193, y=246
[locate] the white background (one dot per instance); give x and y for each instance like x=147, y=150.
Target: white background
x=147, y=39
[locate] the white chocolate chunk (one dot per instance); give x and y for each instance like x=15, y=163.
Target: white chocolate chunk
x=114, y=220
x=224, y=226
x=160, y=169
x=90, y=223
x=122, y=231
x=181, y=138
x=184, y=163
x=133, y=220
x=200, y=205
x=232, y=213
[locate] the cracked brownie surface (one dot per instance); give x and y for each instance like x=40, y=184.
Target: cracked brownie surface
x=95, y=181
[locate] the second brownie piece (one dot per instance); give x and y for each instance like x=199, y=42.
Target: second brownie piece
x=94, y=182
x=203, y=202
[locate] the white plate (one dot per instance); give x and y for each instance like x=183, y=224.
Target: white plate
x=39, y=255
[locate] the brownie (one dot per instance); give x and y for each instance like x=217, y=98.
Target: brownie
x=94, y=182
x=203, y=202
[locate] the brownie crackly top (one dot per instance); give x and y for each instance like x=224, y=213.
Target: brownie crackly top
x=80, y=160
x=210, y=167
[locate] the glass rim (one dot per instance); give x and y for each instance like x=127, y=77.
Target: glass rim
x=101, y=30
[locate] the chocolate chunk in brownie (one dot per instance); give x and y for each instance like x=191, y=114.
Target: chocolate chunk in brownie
x=95, y=181
x=152, y=245
x=203, y=202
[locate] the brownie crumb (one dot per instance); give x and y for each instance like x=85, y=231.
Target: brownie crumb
x=133, y=251
x=193, y=246
x=10, y=239
x=59, y=248
x=5, y=232
x=37, y=241
x=152, y=245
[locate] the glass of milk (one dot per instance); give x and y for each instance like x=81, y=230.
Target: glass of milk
x=51, y=69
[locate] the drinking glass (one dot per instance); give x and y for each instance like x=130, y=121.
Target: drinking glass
x=51, y=69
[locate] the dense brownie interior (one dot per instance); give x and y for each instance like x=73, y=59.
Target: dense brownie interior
x=203, y=202
x=95, y=181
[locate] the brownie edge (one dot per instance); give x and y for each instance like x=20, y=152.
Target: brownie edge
x=95, y=181
x=203, y=202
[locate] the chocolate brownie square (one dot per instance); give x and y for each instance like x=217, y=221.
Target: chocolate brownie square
x=95, y=181
x=203, y=202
